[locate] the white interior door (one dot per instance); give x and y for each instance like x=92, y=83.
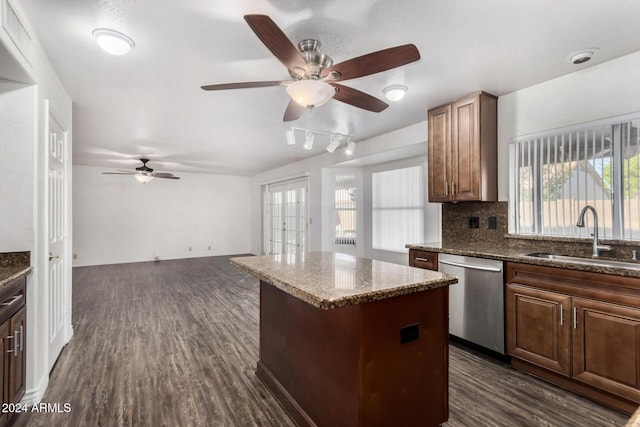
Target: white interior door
x=57, y=282
x=288, y=217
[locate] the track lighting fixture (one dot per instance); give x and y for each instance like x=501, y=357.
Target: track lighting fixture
x=291, y=138
x=308, y=140
x=350, y=147
x=333, y=143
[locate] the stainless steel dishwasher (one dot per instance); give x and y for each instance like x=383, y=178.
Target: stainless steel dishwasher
x=476, y=303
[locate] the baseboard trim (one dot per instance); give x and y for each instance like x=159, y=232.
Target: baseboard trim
x=34, y=395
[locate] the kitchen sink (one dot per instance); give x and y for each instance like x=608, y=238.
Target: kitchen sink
x=590, y=261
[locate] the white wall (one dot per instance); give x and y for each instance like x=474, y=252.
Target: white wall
x=118, y=220
x=605, y=90
x=17, y=136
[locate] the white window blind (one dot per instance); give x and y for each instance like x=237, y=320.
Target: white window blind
x=555, y=175
x=397, y=208
x=344, y=186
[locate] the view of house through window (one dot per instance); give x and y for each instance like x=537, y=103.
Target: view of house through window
x=344, y=188
x=554, y=176
x=398, y=208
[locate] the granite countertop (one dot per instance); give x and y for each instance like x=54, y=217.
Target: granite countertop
x=330, y=280
x=14, y=265
x=634, y=421
x=513, y=254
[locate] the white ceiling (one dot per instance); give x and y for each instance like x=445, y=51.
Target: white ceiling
x=149, y=102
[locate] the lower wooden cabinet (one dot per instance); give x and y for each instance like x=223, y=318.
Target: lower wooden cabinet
x=12, y=332
x=577, y=329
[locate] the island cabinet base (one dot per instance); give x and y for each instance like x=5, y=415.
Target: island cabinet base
x=348, y=367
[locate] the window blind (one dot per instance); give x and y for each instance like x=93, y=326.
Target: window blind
x=397, y=208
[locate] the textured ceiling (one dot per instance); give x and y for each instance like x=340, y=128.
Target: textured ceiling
x=149, y=102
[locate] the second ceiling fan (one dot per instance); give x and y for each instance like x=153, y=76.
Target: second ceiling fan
x=314, y=76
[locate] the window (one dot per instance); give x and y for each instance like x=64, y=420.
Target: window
x=398, y=208
x=555, y=175
x=344, y=189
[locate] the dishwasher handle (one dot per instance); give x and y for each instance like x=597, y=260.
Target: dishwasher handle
x=474, y=267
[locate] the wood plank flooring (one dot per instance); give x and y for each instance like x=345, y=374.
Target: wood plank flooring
x=175, y=343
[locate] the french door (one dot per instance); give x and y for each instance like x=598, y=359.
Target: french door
x=287, y=217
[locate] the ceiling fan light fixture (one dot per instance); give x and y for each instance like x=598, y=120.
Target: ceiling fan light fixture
x=143, y=177
x=112, y=41
x=333, y=143
x=351, y=146
x=395, y=93
x=310, y=93
x=308, y=141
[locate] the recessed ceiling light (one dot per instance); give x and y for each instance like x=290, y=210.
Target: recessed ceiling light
x=395, y=92
x=581, y=56
x=112, y=41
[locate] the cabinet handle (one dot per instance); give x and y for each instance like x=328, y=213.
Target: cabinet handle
x=561, y=314
x=14, y=343
x=13, y=300
x=446, y=188
x=575, y=318
x=453, y=188
x=21, y=335
x=421, y=259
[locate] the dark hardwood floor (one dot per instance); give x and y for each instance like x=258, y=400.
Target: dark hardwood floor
x=175, y=343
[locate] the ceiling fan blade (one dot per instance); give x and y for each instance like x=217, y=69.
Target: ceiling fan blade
x=278, y=43
x=359, y=99
x=244, y=85
x=162, y=174
x=375, y=62
x=118, y=173
x=293, y=111
x=165, y=176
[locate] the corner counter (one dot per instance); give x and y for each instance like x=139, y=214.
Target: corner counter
x=347, y=341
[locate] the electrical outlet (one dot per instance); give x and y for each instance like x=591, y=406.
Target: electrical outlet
x=75, y=256
x=209, y=247
x=474, y=222
x=189, y=248
x=492, y=223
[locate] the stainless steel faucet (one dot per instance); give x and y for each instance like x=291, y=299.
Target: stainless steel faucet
x=597, y=247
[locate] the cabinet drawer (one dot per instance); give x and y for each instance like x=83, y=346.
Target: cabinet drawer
x=12, y=298
x=423, y=259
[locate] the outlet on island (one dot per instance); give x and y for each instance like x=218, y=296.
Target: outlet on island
x=474, y=222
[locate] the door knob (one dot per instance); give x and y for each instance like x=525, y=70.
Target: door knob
x=52, y=256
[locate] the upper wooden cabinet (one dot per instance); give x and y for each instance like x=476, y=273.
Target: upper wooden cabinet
x=462, y=150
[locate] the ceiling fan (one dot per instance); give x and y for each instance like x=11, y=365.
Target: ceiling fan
x=314, y=76
x=144, y=173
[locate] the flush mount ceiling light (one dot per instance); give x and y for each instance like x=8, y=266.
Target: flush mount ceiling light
x=143, y=178
x=395, y=93
x=112, y=41
x=582, y=56
x=310, y=93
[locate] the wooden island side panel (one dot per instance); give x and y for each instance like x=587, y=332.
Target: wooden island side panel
x=347, y=366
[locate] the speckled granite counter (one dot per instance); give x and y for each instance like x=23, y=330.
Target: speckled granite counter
x=330, y=280
x=517, y=254
x=634, y=421
x=13, y=265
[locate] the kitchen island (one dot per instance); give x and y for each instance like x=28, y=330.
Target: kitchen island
x=348, y=341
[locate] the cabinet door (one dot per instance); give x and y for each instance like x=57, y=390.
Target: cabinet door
x=606, y=347
x=439, y=153
x=538, y=327
x=465, y=149
x=16, y=359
